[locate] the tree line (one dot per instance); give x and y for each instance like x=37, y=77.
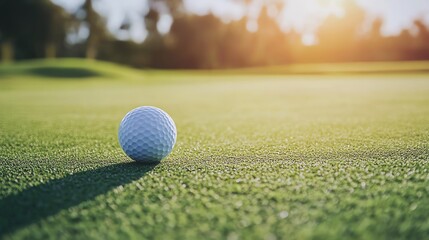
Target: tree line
x=39, y=29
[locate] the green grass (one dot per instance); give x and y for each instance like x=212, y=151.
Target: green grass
x=257, y=157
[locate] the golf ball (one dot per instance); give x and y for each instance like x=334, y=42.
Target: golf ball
x=147, y=134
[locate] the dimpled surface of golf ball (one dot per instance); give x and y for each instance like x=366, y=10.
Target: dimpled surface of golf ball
x=147, y=134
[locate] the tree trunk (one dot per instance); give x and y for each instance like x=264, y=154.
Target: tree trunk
x=91, y=48
x=91, y=44
x=7, y=50
x=50, y=50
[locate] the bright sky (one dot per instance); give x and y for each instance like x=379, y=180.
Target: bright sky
x=303, y=16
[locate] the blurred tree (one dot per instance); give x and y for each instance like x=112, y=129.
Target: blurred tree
x=11, y=26
x=196, y=41
x=270, y=45
x=154, y=38
x=95, y=30
x=156, y=46
x=234, y=45
x=7, y=48
x=422, y=41
x=405, y=46
x=175, y=7
x=51, y=27
x=339, y=36
x=40, y=30
x=153, y=44
x=371, y=44
x=37, y=31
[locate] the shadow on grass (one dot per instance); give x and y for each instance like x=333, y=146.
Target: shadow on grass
x=42, y=201
x=64, y=72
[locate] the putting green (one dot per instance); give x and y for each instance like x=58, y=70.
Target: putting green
x=257, y=157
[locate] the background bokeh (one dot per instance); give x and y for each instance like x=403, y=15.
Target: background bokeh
x=215, y=33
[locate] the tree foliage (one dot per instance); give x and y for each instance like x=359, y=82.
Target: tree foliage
x=208, y=42
x=36, y=28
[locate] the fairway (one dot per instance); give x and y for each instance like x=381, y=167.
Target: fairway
x=326, y=156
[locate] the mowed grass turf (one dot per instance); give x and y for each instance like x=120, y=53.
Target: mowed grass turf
x=257, y=157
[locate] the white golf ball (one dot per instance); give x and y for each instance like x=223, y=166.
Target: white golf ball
x=147, y=134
